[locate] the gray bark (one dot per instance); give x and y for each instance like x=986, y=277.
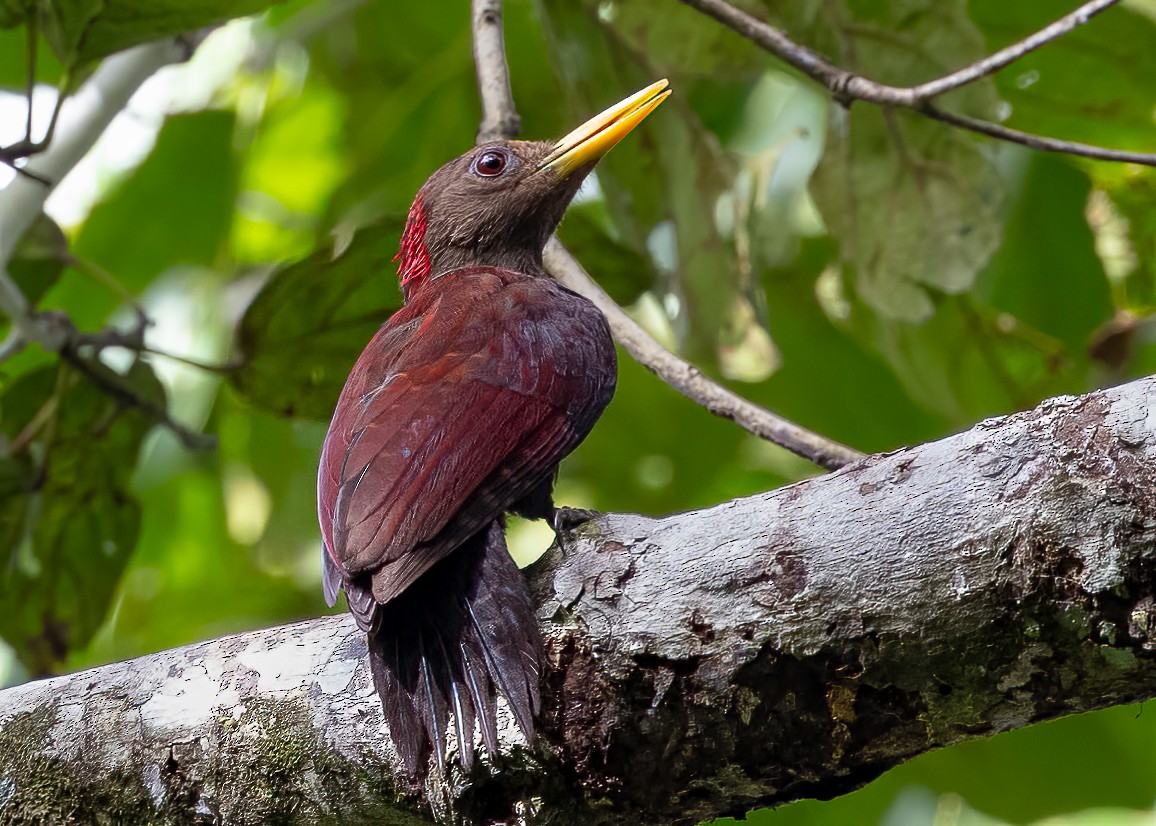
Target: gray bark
x=792, y=644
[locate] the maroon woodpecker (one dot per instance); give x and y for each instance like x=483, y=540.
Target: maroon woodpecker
x=458, y=411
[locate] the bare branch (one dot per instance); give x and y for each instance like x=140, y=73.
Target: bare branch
x=688, y=379
x=1038, y=142
x=499, y=116
x=846, y=87
x=500, y=120
x=1004, y=57
x=113, y=384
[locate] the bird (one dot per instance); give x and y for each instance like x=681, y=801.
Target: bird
x=457, y=412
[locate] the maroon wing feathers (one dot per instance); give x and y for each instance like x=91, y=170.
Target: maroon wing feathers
x=462, y=404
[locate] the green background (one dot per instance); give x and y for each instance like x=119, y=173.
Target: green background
x=878, y=277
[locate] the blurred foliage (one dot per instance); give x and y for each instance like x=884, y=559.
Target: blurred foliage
x=301, y=333
x=878, y=277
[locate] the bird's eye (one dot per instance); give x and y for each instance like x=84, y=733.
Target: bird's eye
x=491, y=163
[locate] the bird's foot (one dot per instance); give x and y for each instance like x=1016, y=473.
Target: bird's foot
x=565, y=520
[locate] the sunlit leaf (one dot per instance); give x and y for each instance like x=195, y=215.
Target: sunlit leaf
x=291, y=168
x=914, y=206
x=1132, y=193
x=192, y=172
x=301, y=334
x=913, y=203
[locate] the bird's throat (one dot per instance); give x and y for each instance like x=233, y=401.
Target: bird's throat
x=413, y=255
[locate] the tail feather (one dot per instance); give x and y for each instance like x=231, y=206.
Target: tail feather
x=432, y=706
x=401, y=717
x=461, y=709
x=481, y=697
x=440, y=650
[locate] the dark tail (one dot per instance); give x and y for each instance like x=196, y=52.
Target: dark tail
x=462, y=631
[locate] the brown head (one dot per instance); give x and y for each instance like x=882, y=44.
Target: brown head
x=498, y=204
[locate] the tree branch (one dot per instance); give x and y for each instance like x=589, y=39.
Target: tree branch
x=688, y=379
x=846, y=86
x=1006, y=56
x=699, y=665
x=500, y=120
x=499, y=117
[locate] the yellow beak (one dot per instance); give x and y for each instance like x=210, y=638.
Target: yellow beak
x=593, y=139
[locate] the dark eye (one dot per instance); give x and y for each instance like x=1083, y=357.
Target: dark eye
x=491, y=163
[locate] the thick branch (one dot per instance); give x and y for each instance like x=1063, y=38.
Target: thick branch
x=793, y=644
x=846, y=86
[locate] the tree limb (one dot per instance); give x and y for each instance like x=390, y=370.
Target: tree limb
x=846, y=86
x=699, y=665
x=500, y=120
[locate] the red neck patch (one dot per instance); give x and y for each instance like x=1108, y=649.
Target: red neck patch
x=413, y=255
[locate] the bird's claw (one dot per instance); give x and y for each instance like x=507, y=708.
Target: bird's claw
x=565, y=520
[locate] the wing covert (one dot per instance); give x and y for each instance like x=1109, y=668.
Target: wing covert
x=434, y=438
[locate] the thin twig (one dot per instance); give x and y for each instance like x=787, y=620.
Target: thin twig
x=688, y=379
x=847, y=87
x=1007, y=56
x=500, y=120
x=114, y=384
x=209, y=367
x=1039, y=142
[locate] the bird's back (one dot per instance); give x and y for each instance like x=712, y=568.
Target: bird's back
x=462, y=404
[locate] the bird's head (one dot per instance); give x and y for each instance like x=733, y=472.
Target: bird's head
x=497, y=204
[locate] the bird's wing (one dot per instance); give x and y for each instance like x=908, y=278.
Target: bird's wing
x=443, y=428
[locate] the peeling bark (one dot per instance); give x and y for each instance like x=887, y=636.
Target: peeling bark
x=792, y=644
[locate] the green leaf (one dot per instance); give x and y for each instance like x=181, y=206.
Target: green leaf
x=1047, y=273
x=39, y=258
x=828, y=381
x=14, y=62
x=914, y=206
x=1092, y=85
x=1132, y=191
x=913, y=203
x=300, y=336
x=67, y=518
x=14, y=12
x=965, y=363
x=175, y=209
x=81, y=31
